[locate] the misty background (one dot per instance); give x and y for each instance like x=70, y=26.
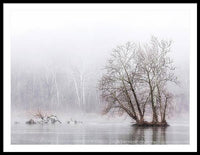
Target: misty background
x=58, y=56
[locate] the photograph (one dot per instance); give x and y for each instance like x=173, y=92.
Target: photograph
x=100, y=75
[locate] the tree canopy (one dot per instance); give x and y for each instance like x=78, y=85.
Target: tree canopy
x=136, y=81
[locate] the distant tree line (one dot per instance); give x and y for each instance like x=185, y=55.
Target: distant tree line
x=51, y=88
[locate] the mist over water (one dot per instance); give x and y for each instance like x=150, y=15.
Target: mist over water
x=99, y=133
x=57, y=59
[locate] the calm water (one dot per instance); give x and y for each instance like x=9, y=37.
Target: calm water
x=101, y=133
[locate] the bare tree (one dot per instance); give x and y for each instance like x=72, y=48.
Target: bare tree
x=119, y=83
x=138, y=75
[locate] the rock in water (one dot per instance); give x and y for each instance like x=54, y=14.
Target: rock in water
x=16, y=122
x=31, y=121
x=53, y=119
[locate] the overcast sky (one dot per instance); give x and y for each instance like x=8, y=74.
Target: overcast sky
x=87, y=34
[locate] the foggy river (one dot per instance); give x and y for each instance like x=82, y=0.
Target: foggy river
x=98, y=133
x=90, y=63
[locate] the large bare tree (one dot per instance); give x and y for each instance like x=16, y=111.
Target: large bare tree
x=137, y=76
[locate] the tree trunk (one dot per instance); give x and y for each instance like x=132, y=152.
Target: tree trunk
x=134, y=94
x=164, y=113
x=155, y=117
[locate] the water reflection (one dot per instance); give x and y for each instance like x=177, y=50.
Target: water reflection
x=149, y=135
x=99, y=134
